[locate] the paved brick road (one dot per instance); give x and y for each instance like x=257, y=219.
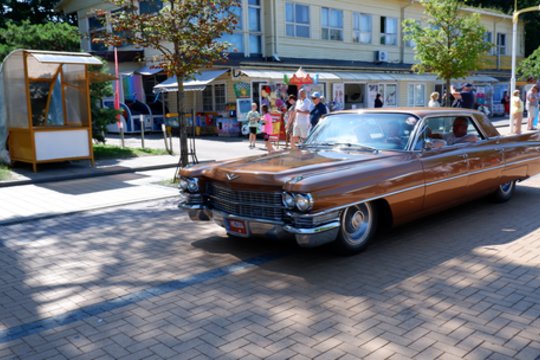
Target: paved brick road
x=142, y=282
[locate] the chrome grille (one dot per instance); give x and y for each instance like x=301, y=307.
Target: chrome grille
x=252, y=204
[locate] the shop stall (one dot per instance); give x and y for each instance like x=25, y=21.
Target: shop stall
x=45, y=106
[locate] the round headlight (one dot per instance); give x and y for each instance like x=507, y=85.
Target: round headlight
x=193, y=185
x=303, y=202
x=288, y=200
x=183, y=184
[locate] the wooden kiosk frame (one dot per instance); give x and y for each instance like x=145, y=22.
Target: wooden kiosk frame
x=47, y=102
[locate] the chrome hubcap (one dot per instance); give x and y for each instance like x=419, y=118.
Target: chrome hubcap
x=356, y=224
x=506, y=187
x=357, y=220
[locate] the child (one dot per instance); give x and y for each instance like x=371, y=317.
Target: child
x=268, y=128
x=253, y=123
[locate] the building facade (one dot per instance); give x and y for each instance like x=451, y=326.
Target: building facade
x=351, y=50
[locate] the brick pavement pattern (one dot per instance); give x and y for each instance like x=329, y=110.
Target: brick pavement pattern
x=462, y=284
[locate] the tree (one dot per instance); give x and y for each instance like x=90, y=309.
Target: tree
x=48, y=36
x=530, y=67
x=451, y=44
x=34, y=11
x=185, y=34
x=101, y=87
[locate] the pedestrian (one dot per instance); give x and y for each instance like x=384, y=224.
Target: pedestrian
x=532, y=106
x=434, y=100
x=378, y=101
x=319, y=109
x=516, y=111
x=466, y=96
x=301, y=123
x=505, y=101
x=266, y=118
x=253, y=118
x=289, y=119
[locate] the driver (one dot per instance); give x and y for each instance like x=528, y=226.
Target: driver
x=459, y=133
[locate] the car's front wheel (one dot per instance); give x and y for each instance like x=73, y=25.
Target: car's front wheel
x=504, y=192
x=358, y=225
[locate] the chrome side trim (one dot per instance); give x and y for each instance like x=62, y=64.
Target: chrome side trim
x=290, y=214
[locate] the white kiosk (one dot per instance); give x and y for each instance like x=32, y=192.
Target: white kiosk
x=45, y=106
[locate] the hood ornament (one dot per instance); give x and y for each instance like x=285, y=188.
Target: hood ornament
x=231, y=176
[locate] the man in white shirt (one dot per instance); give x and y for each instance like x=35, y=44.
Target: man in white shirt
x=302, y=124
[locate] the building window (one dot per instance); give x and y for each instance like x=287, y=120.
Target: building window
x=416, y=95
x=95, y=30
x=254, y=26
x=488, y=39
x=150, y=6
x=332, y=24
x=362, y=28
x=236, y=39
x=214, y=97
x=297, y=19
x=501, y=44
x=388, y=30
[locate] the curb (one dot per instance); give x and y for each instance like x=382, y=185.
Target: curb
x=25, y=219
x=96, y=173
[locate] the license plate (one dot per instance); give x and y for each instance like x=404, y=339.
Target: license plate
x=237, y=227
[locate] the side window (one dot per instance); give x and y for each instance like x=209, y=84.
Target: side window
x=446, y=131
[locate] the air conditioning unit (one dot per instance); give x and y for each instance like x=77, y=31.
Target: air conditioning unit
x=381, y=56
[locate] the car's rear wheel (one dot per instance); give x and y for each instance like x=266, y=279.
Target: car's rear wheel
x=505, y=191
x=358, y=225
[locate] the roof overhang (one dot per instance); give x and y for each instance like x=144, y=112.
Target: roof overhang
x=197, y=84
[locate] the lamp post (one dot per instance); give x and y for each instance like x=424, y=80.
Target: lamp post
x=515, y=16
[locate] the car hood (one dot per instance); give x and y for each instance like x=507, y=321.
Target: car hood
x=294, y=166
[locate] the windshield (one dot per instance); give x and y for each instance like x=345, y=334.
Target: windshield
x=371, y=131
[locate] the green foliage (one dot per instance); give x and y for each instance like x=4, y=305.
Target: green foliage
x=530, y=67
x=48, y=36
x=34, y=11
x=448, y=44
x=101, y=117
x=5, y=174
x=103, y=151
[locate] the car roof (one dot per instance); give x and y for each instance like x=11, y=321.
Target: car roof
x=487, y=127
x=418, y=111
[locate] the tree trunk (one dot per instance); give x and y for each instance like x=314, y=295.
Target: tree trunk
x=182, y=126
x=448, y=94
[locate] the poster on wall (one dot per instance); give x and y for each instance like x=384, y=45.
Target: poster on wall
x=338, y=97
x=242, y=90
x=373, y=90
x=390, y=98
x=243, y=106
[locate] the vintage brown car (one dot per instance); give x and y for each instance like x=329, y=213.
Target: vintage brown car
x=359, y=168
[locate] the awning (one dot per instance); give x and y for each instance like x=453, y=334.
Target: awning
x=480, y=79
x=386, y=77
x=278, y=75
x=363, y=76
x=197, y=84
x=66, y=58
x=147, y=70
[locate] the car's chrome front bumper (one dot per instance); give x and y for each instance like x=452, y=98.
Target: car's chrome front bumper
x=305, y=237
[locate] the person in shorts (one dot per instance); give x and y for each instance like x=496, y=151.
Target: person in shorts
x=302, y=124
x=253, y=118
x=268, y=128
